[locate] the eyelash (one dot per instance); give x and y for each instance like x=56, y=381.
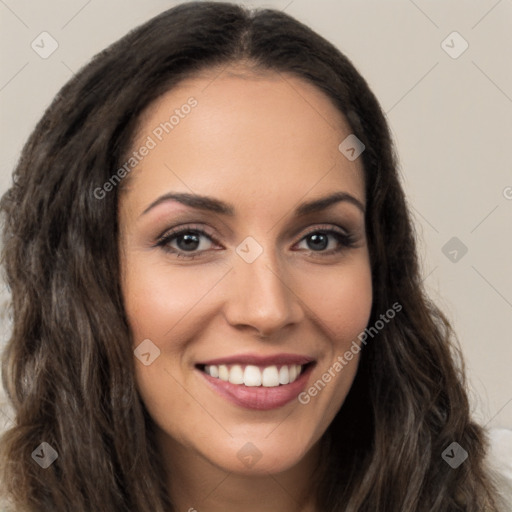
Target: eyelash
x=345, y=240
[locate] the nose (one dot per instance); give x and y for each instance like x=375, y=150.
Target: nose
x=262, y=296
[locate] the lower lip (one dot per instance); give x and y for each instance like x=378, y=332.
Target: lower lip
x=259, y=397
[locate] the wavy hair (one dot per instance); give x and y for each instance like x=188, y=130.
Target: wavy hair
x=68, y=367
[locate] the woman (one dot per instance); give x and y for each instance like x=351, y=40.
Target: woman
x=216, y=296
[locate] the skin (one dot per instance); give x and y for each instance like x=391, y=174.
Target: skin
x=263, y=142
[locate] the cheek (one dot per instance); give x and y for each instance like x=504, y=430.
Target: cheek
x=342, y=303
x=172, y=408
x=341, y=300
x=158, y=298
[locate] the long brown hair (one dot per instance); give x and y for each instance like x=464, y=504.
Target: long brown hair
x=68, y=368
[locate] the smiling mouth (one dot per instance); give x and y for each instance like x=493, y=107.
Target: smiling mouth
x=255, y=376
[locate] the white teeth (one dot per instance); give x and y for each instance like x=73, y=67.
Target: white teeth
x=284, y=376
x=253, y=376
x=236, y=375
x=223, y=372
x=270, y=377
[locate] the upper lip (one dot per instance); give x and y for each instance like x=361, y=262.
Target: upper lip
x=259, y=360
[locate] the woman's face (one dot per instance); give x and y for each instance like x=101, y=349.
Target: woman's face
x=247, y=276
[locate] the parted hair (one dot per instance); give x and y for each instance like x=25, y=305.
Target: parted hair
x=68, y=366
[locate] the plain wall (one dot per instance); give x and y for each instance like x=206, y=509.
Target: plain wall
x=450, y=117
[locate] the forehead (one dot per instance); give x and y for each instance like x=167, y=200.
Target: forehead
x=246, y=133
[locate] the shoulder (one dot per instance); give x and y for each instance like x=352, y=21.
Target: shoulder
x=499, y=463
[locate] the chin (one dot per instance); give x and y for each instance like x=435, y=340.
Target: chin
x=260, y=456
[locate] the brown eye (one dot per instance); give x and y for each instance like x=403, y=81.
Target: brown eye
x=327, y=241
x=318, y=241
x=183, y=241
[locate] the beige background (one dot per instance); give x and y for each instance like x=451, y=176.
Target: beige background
x=451, y=119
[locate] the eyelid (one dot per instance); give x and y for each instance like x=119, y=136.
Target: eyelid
x=200, y=228
x=325, y=227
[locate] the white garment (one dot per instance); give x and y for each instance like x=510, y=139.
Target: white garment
x=499, y=460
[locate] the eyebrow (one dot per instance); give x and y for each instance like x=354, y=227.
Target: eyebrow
x=212, y=204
